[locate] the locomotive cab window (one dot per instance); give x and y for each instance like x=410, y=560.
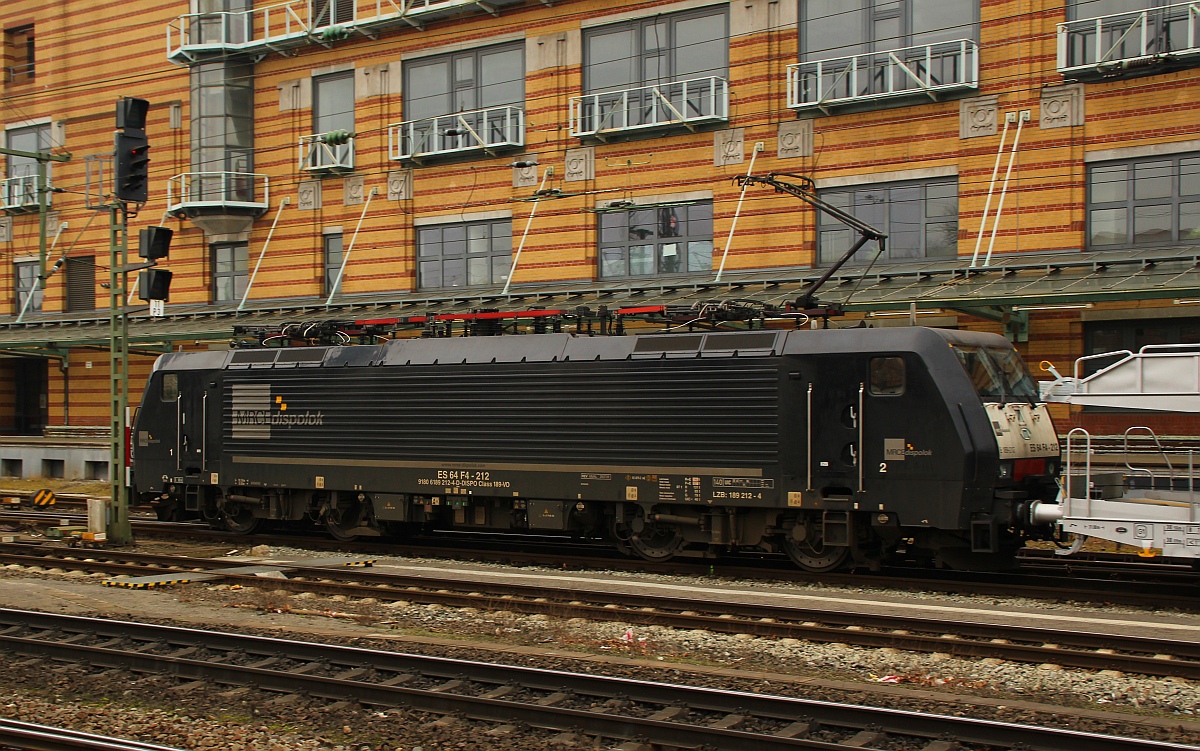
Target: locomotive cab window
x=887, y=376
x=997, y=374
x=170, y=387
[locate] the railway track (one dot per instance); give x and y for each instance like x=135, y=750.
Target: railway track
x=709, y=611
x=507, y=697
x=24, y=736
x=1094, y=578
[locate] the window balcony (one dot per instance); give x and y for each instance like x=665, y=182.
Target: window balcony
x=200, y=36
x=285, y=26
x=19, y=194
x=199, y=193
x=318, y=155
x=1130, y=44
x=924, y=71
x=488, y=130
x=701, y=101
x=19, y=73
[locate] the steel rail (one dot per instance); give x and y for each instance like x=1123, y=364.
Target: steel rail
x=30, y=737
x=1070, y=648
x=1107, y=581
x=357, y=674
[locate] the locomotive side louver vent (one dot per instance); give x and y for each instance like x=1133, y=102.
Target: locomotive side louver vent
x=713, y=411
x=252, y=358
x=658, y=344
x=742, y=343
x=301, y=356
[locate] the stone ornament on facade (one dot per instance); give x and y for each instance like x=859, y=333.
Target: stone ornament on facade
x=729, y=147
x=309, y=195
x=290, y=96
x=353, y=190
x=526, y=177
x=978, y=117
x=1061, y=106
x=400, y=185
x=795, y=139
x=580, y=165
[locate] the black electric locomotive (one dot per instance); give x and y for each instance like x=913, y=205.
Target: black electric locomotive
x=835, y=446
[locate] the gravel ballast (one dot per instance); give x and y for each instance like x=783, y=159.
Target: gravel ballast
x=1110, y=702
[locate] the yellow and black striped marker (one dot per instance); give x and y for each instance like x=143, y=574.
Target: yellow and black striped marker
x=44, y=498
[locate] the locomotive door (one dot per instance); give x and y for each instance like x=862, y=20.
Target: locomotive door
x=191, y=429
x=835, y=399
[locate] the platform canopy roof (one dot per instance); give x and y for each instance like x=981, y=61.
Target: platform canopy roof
x=1009, y=284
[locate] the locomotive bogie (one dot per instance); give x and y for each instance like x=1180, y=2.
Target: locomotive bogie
x=831, y=446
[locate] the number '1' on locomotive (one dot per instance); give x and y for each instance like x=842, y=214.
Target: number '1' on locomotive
x=837, y=447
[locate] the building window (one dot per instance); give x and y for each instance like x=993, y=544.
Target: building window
x=333, y=12
x=231, y=264
x=656, y=240
x=657, y=50
x=460, y=255
x=1100, y=337
x=868, y=49
x=655, y=72
x=919, y=218
x=481, y=84
x=222, y=128
x=210, y=25
x=20, y=187
x=333, y=102
x=25, y=277
x=333, y=263
x=1080, y=9
x=81, y=284
x=1144, y=202
x=333, y=110
x=836, y=28
x=19, y=53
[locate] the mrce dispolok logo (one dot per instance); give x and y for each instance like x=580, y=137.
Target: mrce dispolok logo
x=256, y=411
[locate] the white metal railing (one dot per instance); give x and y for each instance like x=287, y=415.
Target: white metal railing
x=23, y=72
x=192, y=190
x=20, y=192
x=478, y=130
x=925, y=69
x=316, y=155
x=693, y=102
x=296, y=22
x=1106, y=43
x=237, y=30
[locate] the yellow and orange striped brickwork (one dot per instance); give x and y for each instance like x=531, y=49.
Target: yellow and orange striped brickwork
x=89, y=54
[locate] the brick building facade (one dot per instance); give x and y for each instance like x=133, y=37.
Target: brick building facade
x=319, y=158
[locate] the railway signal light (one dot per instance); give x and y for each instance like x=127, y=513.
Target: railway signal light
x=131, y=159
x=154, y=242
x=154, y=284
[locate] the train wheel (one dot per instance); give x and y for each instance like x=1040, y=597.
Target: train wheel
x=812, y=554
x=657, y=542
x=344, y=516
x=240, y=520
